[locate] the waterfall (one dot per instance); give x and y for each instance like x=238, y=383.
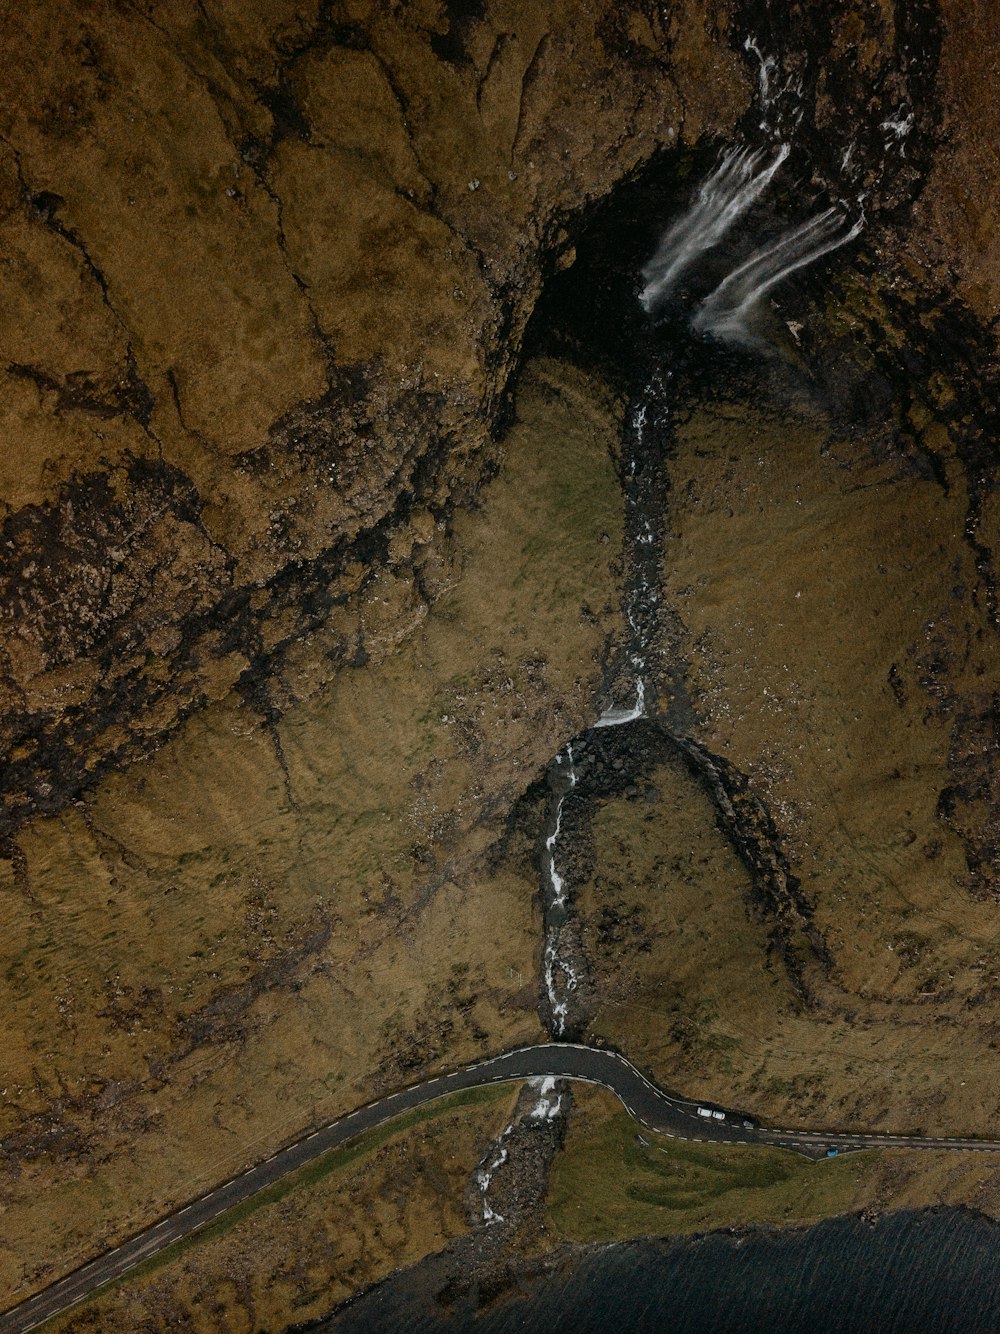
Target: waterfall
x=897, y=127
x=643, y=508
x=560, y=979
x=549, y=1103
x=555, y=879
x=510, y=1144
x=780, y=103
x=735, y=184
x=614, y=717
x=724, y=312
x=558, y=973
x=483, y=1175
x=768, y=67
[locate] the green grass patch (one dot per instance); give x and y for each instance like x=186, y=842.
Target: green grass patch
x=609, y=1185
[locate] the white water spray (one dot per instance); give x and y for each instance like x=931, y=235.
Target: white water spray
x=724, y=312
x=897, y=127
x=640, y=595
x=768, y=65
x=615, y=717
x=735, y=184
x=548, y=1106
x=558, y=974
x=557, y=993
x=484, y=1175
x=555, y=879
x=549, y=1103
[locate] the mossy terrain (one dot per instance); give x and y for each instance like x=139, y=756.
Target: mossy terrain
x=616, y=1179
x=293, y=624
x=268, y=268
x=377, y=1203
x=681, y=965
x=281, y=923
x=814, y=579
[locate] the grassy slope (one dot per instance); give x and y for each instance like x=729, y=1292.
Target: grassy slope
x=216, y=955
x=608, y=1185
x=341, y=1215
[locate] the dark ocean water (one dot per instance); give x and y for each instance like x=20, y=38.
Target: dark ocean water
x=915, y=1273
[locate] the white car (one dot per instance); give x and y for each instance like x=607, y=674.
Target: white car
x=718, y=1116
x=706, y=1112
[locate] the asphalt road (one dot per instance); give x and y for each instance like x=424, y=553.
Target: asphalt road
x=676, y=1117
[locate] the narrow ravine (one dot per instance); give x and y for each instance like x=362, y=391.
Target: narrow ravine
x=630, y=688
x=542, y=1104
x=704, y=290
x=559, y=977
x=701, y=290
x=566, y=992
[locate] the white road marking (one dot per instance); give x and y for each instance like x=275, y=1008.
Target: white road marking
x=802, y=1139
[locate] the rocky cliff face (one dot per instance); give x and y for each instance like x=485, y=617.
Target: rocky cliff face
x=319, y=331
x=265, y=285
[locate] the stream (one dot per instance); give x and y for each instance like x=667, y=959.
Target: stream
x=699, y=300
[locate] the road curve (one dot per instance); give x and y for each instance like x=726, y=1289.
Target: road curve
x=658, y=1111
